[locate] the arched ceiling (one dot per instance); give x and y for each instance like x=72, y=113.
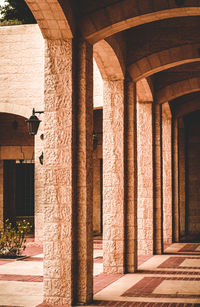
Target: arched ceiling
x=162, y=45
x=155, y=41
x=184, y=105
x=176, y=82
x=100, y=19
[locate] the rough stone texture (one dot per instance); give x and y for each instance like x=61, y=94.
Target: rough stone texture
x=68, y=263
x=96, y=196
x=182, y=176
x=21, y=90
x=84, y=174
x=58, y=163
x=167, y=173
x=145, y=178
x=97, y=172
x=39, y=182
x=130, y=184
x=175, y=194
x=157, y=174
x=113, y=177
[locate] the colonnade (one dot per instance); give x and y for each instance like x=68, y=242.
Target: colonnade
x=132, y=174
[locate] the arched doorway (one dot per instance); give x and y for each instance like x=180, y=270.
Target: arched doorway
x=17, y=169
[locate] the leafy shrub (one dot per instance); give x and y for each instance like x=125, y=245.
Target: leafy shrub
x=5, y=23
x=13, y=238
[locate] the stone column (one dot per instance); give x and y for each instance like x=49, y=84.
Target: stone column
x=175, y=193
x=113, y=177
x=157, y=162
x=167, y=173
x=59, y=173
x=83, y=245
x=39, y=182
x=68, y=176
x=145, y=178
x=130, y=185
x=182, y=176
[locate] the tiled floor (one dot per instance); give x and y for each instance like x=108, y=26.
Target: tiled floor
x=172, y=279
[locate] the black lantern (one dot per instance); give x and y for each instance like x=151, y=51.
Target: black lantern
x=33, y=123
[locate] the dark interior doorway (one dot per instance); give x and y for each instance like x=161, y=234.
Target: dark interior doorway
x=19, y=190
x=192, y=127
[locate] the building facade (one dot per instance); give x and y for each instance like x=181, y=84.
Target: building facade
x=147, y=53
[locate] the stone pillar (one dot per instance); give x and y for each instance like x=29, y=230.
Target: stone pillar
x=84, y=176
x=39, y=182
x=68, y=176
x=167, y=173
x=130, y=184
x=1, y=194
x=145, y=178
x=59, y=172
x=157, y=174
x=175, y=193
x=113, y=177
x=96, y=195
x=182, y=176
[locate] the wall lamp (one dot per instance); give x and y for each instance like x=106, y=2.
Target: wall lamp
x=33, y=122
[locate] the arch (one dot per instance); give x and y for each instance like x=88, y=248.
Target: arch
x=125, y=15
x=51, y=18
x=163, y=60
x=166, y=111
x=144, y=93
x=178, y=89
x=107, y=61
x=16, y=109
x=182, y=109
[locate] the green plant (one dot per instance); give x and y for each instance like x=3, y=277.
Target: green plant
x=13, y=238
x=10, y=23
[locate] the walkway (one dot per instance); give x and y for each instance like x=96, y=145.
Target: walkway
x=172, y=279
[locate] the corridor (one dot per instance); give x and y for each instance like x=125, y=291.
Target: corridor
x=171, y=279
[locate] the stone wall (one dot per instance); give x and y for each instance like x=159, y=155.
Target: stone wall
x=21, y=69
x=97, y=172
x=145, y=178
x=167, y=173
x=21, y=90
